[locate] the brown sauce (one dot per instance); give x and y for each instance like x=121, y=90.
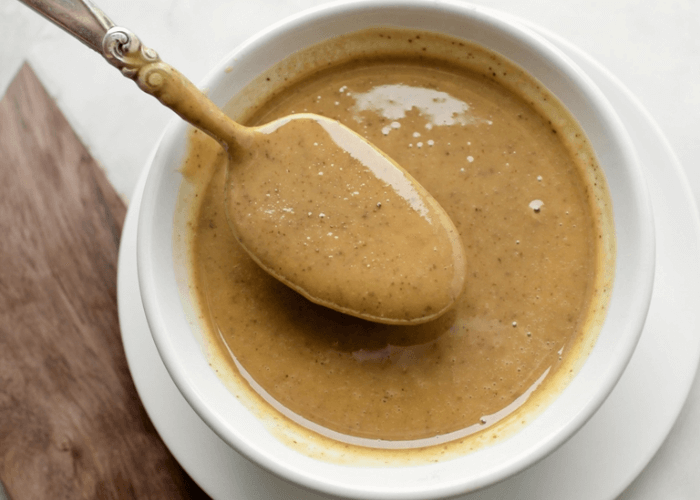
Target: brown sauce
x=516, y=192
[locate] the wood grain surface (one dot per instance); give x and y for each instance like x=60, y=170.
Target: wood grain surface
x=71, y=423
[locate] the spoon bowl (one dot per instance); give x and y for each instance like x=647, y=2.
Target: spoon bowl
x=328, y=214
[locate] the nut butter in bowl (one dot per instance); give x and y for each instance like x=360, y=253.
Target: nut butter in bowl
x=540, y=179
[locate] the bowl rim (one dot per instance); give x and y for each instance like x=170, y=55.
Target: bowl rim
x=156, y=312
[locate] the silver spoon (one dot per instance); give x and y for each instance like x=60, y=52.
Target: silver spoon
x=401, y=260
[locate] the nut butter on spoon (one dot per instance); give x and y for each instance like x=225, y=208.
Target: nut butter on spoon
x=313, y=203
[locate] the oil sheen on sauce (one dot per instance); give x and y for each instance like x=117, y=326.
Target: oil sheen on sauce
x=515, y=193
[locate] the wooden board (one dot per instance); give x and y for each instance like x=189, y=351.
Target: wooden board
x=71, y=423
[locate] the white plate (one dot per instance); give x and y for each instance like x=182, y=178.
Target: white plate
x=600, y=461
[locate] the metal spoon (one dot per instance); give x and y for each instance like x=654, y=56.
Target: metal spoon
x=402, y=261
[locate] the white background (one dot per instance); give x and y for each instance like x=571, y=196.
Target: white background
x=653, y=47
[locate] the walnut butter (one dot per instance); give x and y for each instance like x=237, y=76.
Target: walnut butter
x=517, y=177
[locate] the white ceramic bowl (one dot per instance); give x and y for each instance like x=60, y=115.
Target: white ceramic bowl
x=179, y=346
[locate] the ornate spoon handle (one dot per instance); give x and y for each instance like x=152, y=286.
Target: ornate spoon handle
x=80, y=18
x=124, y=50
x=85, y=21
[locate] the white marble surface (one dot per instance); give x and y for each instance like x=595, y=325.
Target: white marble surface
x=652, y=46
